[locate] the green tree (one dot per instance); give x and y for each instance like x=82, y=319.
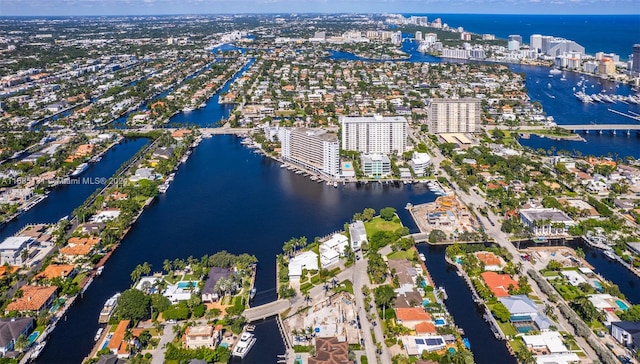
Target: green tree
x=133, y=305
x=388, y=213
x=500, y=312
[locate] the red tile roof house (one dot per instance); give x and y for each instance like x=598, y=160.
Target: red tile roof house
x=34, y=298
x=499, y=283
x=412, y=316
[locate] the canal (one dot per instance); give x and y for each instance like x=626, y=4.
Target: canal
x=65, y=198
x=226, y=198
x=485, y=347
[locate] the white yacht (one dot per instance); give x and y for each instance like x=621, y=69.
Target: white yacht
x=244, y=345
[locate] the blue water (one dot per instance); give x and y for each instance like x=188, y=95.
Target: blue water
x=557, y=99
x=487, y=349
x=34, y=335
x=597, y=33
x=187, y=284
x=623, y=306
x=214, y=202
x=64, y=199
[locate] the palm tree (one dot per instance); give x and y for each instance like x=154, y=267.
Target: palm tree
x=136, y=274
x=145, y=268
x=167, y=266
x=21, y=342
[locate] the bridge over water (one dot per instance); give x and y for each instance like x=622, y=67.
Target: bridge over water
x=267, y=310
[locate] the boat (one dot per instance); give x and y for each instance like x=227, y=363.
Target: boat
x=188, y=109
x=108, y=309
x=98, y=333
x=408, y=206
x=335, y=184
x=202, y=105
x=555, y=71
x=243, y=346
x=610, y=254
x=422, y=257
x=37, y=350
x=81, y=168
x=99, y=270
x=252, y=293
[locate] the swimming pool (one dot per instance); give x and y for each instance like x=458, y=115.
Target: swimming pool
x=623, y=306
x=597, y=284
x=440, y=322
x=425, y=301
x=106, y=341
x=187, y=284
x=34, y=335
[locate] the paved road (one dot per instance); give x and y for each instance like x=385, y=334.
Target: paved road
x=167, y=336
x=492, y=228
x=266, y=310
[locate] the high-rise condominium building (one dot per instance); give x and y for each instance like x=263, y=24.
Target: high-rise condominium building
x=374, y=134
x=454, y=115
x=635, y=61
x=314, y=149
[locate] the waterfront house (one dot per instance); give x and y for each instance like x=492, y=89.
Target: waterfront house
x=575, y=278
x=10, y=331
x=205, y=336
x=149, y=284
x=33, y=299
x=143, y=173
x=524, y=313
x=106, y=215
x=163, y=153
x=307, y=260
x=11, y=249
x=499, y=283
x=57, y=270
x=627, y=333
x=411, y=316
x=357, y=235
x=118, y=345
x=546, y=221
x=329, y=350
x=491, y=261
x=332, y=249
x=92, y=228
x=209, y=294
x=181, y=291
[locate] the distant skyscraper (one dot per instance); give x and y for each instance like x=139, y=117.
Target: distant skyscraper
x=454, y=115
x=418, y=35
x=535, y=41
x=635, y=60
x=516, y=37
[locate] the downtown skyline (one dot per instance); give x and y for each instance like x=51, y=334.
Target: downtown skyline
x=185, y=7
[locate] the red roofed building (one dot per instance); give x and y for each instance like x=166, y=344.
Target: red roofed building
x=499, y=283
x=411, y=316
x=425, y=328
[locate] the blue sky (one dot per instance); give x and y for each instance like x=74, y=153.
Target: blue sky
x=157, y=7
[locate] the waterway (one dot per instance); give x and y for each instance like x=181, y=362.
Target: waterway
x=63, y=199
x=485, y=347
x=210, y=115
x=226, y=198
x=557, y=99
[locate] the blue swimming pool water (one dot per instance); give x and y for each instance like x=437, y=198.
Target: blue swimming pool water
x=459, y=260
x=34, y=335
x=524, y=329
x=597, y=285
x=186, y=284
x=425, y=301
x=440, y=321
x=623, y=306
x=347, y=165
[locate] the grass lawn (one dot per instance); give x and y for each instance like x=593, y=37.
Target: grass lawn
x=581, y=354
x=78, y=278
x=517, y=345
x=401, y=254
x=507, y=328
x=171, y=278
x=378, y=224
x=348, y=287
x=190, y=277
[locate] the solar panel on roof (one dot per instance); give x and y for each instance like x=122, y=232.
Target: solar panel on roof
x=419, y=341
